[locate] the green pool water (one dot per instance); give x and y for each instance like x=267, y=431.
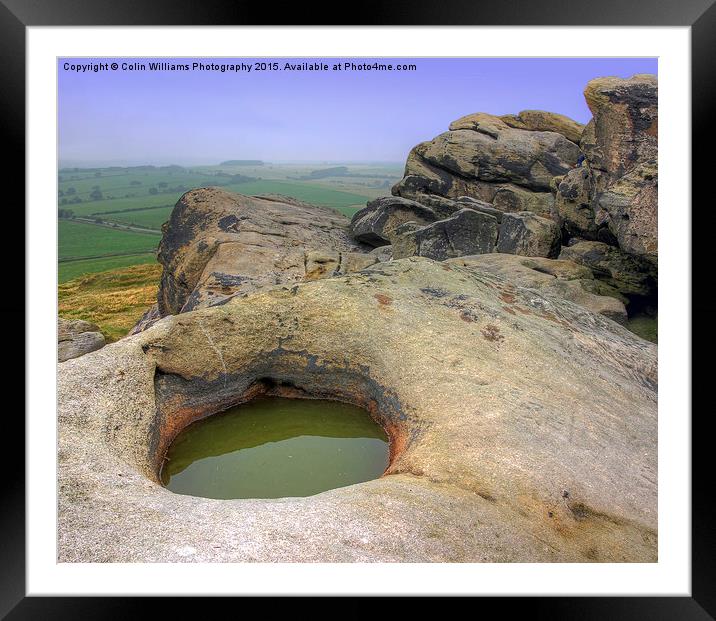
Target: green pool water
x=273, y=447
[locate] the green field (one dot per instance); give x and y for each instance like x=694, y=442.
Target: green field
x=79, y=240
x=90, y=245
x=341, y=201
x=126, y=210
x=146, y=218
x=92, y=208
x=74, y=269
x=88, y=248
x=118, y=185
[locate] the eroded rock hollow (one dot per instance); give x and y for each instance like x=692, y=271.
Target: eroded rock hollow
x=523, y=426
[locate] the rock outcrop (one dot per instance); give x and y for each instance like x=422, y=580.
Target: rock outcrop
x=562, y=278
x=529, y=235
x=541, y=121
x=506, y=408
x=465, y=232
x=217, y=244
x=485, y=158
x=630, y=275
x=616, y=192
x=546, y=180
x=377, y=222
x=76, y=338
x=491, y=165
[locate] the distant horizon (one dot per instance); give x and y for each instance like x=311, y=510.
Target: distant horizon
x=201, y=118
x=131, y=164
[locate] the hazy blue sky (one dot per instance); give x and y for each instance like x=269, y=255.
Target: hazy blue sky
x=204, y=117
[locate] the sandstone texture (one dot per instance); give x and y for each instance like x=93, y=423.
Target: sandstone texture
x=628, y=274
x=376, y=224
x=529, y=235
x=542, y=121
x=629, y=208
x=483, y=157
x=618, y=189
x=76, y=338
x=523, y=427
x=465, y=232
x=562, y=278
x=217, y=244
x=323, y=264
x=573, y=204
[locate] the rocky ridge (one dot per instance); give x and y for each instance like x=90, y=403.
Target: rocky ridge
x=538, y=185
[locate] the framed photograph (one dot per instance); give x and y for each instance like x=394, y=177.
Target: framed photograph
x=394, y=308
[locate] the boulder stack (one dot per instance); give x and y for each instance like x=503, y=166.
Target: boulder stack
x=484, y=157
x=613, y=198
x=536, y=184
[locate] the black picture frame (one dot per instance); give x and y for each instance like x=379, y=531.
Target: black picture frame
x=699, y=15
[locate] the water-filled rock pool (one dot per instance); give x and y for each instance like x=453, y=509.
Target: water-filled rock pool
x=274, y=447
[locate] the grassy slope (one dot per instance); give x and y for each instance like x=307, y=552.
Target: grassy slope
x=114, y=300
x=75, y=269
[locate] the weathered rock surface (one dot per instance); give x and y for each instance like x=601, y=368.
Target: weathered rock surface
x=530, y=162
x=541, y=121
x=493, y=165
x=483, y=157
x=76, y=338
x=630, y=275
x=616, y=191
x=322, y=264
x=466, y=232
x=529, y=235
x=147, y=320
x=562, y=278
x=376, y=223
x=573, y=203
x=382, y=253
x=523, y=427
x=478, y=205
x=624, y=128
x=218, y=244
x=629, y=207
